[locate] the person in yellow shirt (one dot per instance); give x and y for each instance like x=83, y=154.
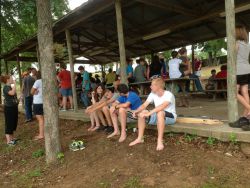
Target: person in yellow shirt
x=110, y=78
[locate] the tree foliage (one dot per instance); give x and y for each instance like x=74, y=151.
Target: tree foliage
x=19, y=20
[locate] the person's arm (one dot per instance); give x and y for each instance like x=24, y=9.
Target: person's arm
x=12, y=92
x=141, y=108
x=33, y=91
x=157, y=109
x=97, y=106
x=130, y=75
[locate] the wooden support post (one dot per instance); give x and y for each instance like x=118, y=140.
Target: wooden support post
x=19, y=71
x=120, y=33
x=103, y=72
x=72, y=73
x=0, y=82
x=193, y=65
x=231, y=61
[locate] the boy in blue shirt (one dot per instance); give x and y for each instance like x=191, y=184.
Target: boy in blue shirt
x=127, y=102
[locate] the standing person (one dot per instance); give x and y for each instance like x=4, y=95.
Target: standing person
x=127, y=102
x=155, y=68
x=10, y=108
x=66, y=87
x=85, y=86
x=163, y=114
x=243, y=70
x=110, y=77
x=129, y=70
x=37, y=93
x=197, y=66
x=164, y=65
x=140, y=71
x=97, y=79
x=34, y=73
x=28, y=82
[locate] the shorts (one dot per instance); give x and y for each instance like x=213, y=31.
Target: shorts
x=38, y=109
x=11, y=118
x=168, y=120
x=243, y=79
x=66, y=92
x=130, y=118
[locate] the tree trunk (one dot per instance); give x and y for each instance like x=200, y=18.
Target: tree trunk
x=50, y=90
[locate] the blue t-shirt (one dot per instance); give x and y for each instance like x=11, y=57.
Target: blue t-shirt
x=129, y=69
x=86, y=80
x=133, y=99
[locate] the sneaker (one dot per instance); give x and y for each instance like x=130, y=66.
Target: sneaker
x=74, y=146
x=109, y=129
x=246, y=127
x=243, y=121
x=101, y=128
x=12, y=143
x=63, y=110
x=71, y=109
x=81, y=145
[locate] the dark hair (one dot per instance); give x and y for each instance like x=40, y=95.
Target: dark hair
x=156, y=60
x=182, y=51
x=174, y=54
x=112, y=89
x=213, y=71
x=63, y=66
x=122, y=88
x=110, y=70
x=80, y=68
x=223, y=67
x=38, y=75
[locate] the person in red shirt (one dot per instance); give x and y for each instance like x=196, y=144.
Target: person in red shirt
x=66, y=87
x=223, y=72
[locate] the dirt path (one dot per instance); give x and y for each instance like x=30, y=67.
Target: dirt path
x=187, y=161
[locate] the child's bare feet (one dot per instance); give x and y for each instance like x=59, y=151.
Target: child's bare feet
x=94, y=129
x=122, y=138
x=137, y=141
x=160, y=146
x=90, y=129
x=113, y=134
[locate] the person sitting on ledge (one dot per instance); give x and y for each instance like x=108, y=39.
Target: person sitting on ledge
x=123, y=107
x=163, y=114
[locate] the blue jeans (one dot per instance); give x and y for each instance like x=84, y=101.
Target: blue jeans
x=196, y=82
x=28, y=101
x=84, y=98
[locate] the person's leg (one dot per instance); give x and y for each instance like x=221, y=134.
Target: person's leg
x=106, y=112
x=141, y=128
x=70, y=96
x=123, y=121
x=28, y=108
x=92, y=119
x=160, y=127
x=243, y=101
x=84, y=97
x=8, y=124
x=114, y=118
x=40, y=120
x=64, y=102
x=196, y=82
x=101, y=117
x=244, y=92
x=97, y=122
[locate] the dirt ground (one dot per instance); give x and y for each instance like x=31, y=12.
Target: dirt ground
x=188, y=161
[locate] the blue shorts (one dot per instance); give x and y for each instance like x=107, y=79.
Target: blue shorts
x=66, y=92
x=168, y=121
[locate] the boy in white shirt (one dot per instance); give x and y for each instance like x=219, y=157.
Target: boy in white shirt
x=163, y=113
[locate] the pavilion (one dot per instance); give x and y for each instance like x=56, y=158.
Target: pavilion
x=107, y=31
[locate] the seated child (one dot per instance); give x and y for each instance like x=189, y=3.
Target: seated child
x=97, y=115
x=211, y=84
x=163, y=114
x=104, y=104
x=127, y=102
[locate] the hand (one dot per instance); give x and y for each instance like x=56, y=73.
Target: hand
x=93, y=93
x=36, y=92
x=144, y=114
x=134, y=114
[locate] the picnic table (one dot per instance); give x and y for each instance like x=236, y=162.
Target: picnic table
x=220, y=86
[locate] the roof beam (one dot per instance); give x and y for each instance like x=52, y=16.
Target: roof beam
x=168, y=7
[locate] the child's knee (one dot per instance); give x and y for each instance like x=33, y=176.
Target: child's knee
x=161, y=115
x=122, y=110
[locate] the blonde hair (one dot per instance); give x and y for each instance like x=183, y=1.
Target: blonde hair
x=160, y=82
x=241, y=33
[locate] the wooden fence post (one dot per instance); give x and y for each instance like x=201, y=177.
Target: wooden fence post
x=231, y=61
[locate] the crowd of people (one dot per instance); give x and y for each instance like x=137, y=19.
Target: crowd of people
x=108, y=101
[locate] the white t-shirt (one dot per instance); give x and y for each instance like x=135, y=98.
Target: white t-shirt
x=174, y=68
x=166, y=97
x=38, y=98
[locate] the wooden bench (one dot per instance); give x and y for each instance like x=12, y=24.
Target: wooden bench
x=220, y=86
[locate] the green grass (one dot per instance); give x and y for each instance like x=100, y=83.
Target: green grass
x=133, y=182
x=38, y=153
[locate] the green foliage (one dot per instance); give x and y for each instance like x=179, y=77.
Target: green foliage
x=190, y=137
x=60, y=156
x=133, y=182
x=35, y=173
x=211, y=141
x=233, y=138
x=104, y=184
x=38, y=153
x=19, y=20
